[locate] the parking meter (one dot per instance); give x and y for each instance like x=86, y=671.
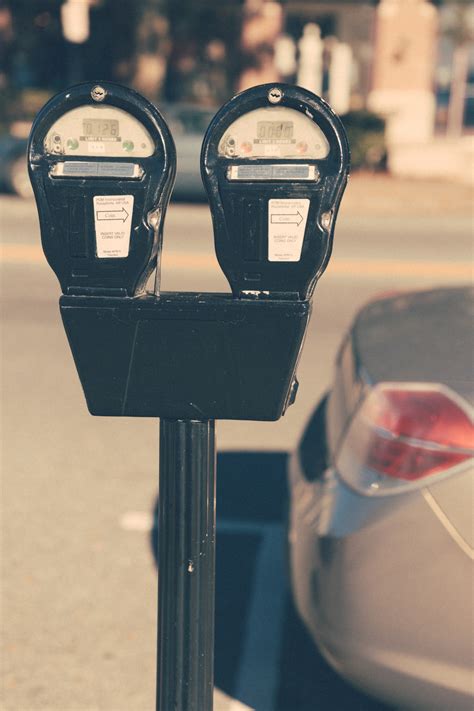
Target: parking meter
x=274, y=162
x=102, y=164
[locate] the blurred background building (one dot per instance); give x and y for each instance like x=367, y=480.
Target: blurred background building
x=406, y=65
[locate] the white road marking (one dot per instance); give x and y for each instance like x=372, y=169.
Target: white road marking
x=141, y=521
x=235, y=705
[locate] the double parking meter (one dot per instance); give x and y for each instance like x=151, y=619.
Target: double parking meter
x=102, y=163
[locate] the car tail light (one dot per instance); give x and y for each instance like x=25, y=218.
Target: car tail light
x=404, y=433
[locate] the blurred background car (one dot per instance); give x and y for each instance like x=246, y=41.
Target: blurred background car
x=380, y=531
x=13, y=171
x=188, y=125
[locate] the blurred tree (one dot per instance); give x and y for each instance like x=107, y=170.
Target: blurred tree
x=205, y=49
x=32, y=53
x=152, y=51
x=262, y=25
x=37, y=47
x=179, y=49
x=6, y=38
x=41, y=52
x=36, y=56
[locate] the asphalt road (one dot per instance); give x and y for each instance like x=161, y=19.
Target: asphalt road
x=78, y=589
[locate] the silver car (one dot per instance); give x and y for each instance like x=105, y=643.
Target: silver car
x=381, y=513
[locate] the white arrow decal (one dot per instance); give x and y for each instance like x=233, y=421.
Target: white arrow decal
x=112, y=214
x=288, y=218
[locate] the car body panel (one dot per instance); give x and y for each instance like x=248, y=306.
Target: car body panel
x=189, y=185
x=385, y=591
x=393, y=337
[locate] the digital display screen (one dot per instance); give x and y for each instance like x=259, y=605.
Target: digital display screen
x=100, y=128
x=274, y=130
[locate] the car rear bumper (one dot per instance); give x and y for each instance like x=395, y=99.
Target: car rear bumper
x=409, y=682
x=385, y=592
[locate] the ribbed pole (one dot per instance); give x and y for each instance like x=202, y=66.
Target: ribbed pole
x=186, y=566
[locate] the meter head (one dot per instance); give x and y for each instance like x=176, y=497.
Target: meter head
x=102, y=164
x=274, y=161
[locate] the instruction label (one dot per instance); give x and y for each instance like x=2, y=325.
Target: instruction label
x=286, y=227
x=113, y=223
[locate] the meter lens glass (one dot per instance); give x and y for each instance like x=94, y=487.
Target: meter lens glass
x=99, y=131
x=274, y=132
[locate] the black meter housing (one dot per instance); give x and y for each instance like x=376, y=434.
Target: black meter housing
x=275, y=162
x=102, y=164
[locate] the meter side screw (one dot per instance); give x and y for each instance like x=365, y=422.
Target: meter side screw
x=275, y=95
x=326, y=218
x=98, y=93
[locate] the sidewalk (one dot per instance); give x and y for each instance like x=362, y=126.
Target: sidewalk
x=380, y=194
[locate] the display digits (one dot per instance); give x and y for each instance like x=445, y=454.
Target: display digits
x=100, y=128
x=274, y=129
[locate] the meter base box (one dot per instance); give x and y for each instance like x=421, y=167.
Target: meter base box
x=186, y=356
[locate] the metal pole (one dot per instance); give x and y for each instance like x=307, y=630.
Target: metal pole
x=186, y=566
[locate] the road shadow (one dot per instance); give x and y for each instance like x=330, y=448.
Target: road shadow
x=264, y=656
